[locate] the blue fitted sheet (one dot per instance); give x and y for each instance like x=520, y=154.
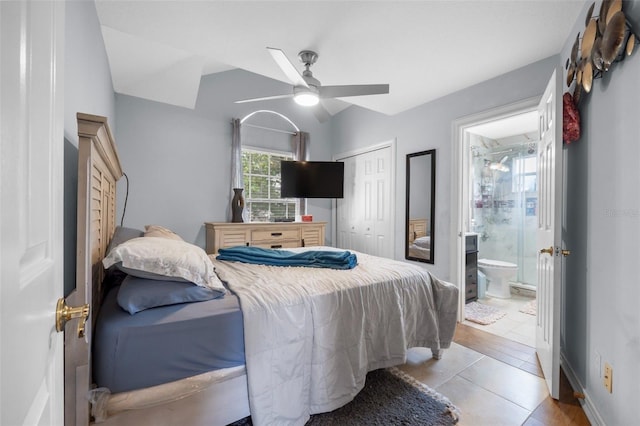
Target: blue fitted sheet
x=167, y=343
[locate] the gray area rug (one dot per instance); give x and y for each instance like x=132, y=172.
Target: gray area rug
x=389, y=397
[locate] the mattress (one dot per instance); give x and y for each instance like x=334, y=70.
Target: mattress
x=165, y=344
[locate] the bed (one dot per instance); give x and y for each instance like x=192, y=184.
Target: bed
x=420, y=247
x=296, y=340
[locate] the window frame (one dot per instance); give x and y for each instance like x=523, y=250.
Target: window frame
x=518, y=184
x=249, y=200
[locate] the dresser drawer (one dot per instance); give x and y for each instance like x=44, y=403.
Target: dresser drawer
x=312, y=236
x=471, y=292
x=258, y=236
x=232, y=239
x=277, y=245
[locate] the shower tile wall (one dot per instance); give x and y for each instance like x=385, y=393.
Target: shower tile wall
x=504, y=202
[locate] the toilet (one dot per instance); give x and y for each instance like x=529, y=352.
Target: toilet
x=498, y=275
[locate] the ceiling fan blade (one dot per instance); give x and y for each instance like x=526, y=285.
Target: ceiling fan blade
x=287, y=67
x=266, y=98
x=321, y=113
x=353, y=90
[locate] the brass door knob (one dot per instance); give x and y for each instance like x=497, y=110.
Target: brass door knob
x=64, y=313
x=565, y=253
x=549, y=251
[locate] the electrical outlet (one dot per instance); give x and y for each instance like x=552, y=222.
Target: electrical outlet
x=608, y=377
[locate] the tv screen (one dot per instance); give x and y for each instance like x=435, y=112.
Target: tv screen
x=312, y=179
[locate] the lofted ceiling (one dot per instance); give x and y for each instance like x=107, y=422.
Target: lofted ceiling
x=159, y=50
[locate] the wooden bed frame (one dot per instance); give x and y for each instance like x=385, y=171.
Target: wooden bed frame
x=210, y=404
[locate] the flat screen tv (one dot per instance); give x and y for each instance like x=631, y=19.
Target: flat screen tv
x=312, y=179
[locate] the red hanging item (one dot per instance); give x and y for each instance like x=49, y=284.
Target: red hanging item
x=570, y=119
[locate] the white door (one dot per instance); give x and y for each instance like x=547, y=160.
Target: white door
x=549, y=263
x=378, y=193
x=31, y=209
x=345, y=213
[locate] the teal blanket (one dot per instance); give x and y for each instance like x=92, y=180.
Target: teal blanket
x=311, y=258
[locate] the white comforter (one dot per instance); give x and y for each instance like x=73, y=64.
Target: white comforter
x=311, y=335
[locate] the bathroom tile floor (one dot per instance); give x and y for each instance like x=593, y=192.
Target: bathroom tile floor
x=515, y=325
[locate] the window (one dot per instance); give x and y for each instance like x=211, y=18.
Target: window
x=261, y=173
x=524, y=174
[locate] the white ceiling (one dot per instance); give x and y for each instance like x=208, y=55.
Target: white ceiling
x=158, y=50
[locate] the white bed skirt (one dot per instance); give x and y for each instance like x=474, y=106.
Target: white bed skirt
x=214, y=398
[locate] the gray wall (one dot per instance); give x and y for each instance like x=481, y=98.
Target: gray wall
x=178, y=159
x=429, y=127
x=88, y=89
x=601, y=319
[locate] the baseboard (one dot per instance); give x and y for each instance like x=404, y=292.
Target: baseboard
x=523, y=289
x=587, y=403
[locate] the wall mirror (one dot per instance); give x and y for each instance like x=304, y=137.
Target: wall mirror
x=421, y=193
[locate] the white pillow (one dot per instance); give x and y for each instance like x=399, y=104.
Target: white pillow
x=424, y=242
x=164, y=257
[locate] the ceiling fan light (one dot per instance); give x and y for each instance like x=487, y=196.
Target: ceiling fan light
x=306, y=98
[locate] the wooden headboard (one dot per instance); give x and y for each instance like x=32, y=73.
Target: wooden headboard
x=417, y=228
x=98, y=171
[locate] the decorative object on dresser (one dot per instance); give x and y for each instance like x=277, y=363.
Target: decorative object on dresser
x=267, y=235
x=237, y=205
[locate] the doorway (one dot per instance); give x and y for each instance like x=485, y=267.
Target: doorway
x=497, y=185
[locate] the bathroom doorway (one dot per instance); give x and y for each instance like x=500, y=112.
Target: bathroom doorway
x=500, y=192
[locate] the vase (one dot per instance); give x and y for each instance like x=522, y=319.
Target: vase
x=237, y=205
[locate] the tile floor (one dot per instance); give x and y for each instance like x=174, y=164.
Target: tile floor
x=516, y=325
x=487, y=391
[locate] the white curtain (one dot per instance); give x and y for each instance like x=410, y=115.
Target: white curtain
x=236, y=155
x=300, y=142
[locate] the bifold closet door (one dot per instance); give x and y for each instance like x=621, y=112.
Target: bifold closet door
x=364, y=220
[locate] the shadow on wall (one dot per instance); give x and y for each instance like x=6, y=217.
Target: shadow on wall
x=70, y=214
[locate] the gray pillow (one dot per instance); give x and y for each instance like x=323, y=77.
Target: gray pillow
x=137, y=294
x=121, y=235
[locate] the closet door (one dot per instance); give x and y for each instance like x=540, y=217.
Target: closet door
x=377, y=191
x=364, y=214
x=345, y=208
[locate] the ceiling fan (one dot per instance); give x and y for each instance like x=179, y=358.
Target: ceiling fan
x=308, y=91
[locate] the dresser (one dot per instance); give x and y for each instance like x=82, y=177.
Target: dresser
x=261, y=234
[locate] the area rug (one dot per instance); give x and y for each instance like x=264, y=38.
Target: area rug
x=530, y=307
x=389, y=397
x=482, y=314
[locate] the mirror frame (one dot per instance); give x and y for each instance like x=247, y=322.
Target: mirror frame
x=431, y=224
